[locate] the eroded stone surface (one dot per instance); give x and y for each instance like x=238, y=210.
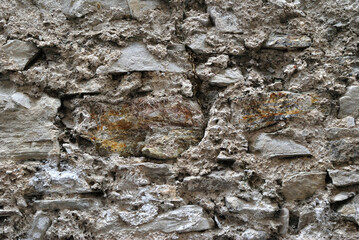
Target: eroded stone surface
x=270, y=147
x=349, y=103
x=343, y=178
x=28, y=129
x=39, y=226
x=16, y=54
x=350, y=210
x=289, y=42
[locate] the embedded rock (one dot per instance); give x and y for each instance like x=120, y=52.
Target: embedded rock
x=28, y=129
x=251, y=234
x=144, y=215
x=270, y=147
x=302, y=185
x=288, y=42
x=136, y=57
x=223, y=20
x=342, y=196
x=16, y=54
x=229, y=76
x=349, y=103
x=350, y=210
x=342, y=178
x=39, y=226
x=337, y=133
x=344, y=150
x=139, y=7
x=189, y=218
x=72, y=204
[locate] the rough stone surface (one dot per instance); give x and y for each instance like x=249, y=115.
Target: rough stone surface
x=16, y=54
x=342, y=178
x=300, y=186
x=179, y=119
x=270, y=147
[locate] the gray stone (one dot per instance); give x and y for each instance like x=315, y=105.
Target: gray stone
x=27, y=129
x=79, y=8
x=350, y=210
x=337, y=133
x=342, y=196
x=342, y=178
x=300, y=186
x=189, y=218
x=254, y=209
x=284, y=219
x=344, y=150
x=228, y=77
x=197, y=44
x=16, y=54
x=9, y=212
x=144, y=215
x=283, y=41
x=349, y=103
x=251, y=234
x=53, y=181
x=271, y=147
x=39, y=226
x=136, y=57
x=72, y=204
x=140, y=7
x=224, y=21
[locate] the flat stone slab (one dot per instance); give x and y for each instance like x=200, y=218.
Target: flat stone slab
x=73, y=204
x=287, y=42
x=350, y=211
x=27, y=129
x=300, y=186
x=349, y=103
x=16, y=54
x=228, y=77
x=136, y=57
x=342, y=178
x=258, y=110
x=271, y=147
x=189, y=218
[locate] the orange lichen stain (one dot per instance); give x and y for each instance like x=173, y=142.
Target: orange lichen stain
x=113, y=145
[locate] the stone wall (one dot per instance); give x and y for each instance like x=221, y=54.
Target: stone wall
x=179, y=119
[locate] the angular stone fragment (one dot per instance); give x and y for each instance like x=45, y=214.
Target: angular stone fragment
x=270, y=147
x=79, y=8
x=198, y=44
x=257, y=210
x=224, y=21
x=144, y=215
x=258, y=110
x=189, y=218
x=72, y=204
x=342, y=178
x=27, y=125
x=300, y=186
x=39, y=226
x=344, y=150
x=161, y=127
x=251, y=234
x=16, y=54
x=350, y=210
x=349, y=103
x=229, y=76
x=52, y=181
x=342, y=196
x=139, y=7
x=136, y=57
x=337, y=133
x=282, y=42
x=9, y=212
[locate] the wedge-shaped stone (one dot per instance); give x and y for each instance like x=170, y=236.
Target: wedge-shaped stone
x=27, y=129
x=16, y=54
x=300, y=186
x=258, y=110
x=349, y=103
x=73, y=204
x=282, y=42
x=342, y=178
x=350, y=210
x=136, y=57
x=189, y=218
x=228, y=77
x=271, y=147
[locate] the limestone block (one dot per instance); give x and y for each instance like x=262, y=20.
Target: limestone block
x=343, y=178
x=349, y=103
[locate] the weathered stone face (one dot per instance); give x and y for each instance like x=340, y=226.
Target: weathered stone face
x=349, y=103
x=260, y=110
x=29, y=132
x=283, y=42
x=158, y=128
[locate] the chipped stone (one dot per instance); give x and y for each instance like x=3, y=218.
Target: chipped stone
x=343, y=178
x=224, y=21
x=287, y=42
x=349, y=103
x=342, y=196
x=300, y=186
x=16, y=54
x=350, y=210
x=136, y=57
x=270, y=147
x=189, y=218
x=139, y=7
x=39, y=226
x=73, y=204
x=9, y=212
x=251, y=234
x=229, y=76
